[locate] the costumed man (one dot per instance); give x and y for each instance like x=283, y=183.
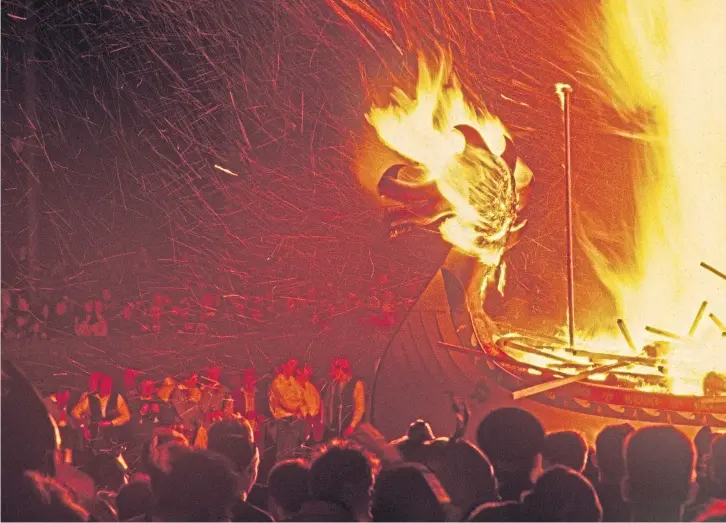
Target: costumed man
x=216, y=398
x=130, y=387
x=187, y=402
x=244, y=396
x=310, y=410
x=102, y=415
x=345, y=401
x=167, y=412
x=286, y=401
x=146, y=413
x=94, y=381
x=57, y=404
x=216, y=404
x=149, y=410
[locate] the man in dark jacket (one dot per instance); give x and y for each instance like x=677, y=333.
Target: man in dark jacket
x=345, y=402
x=106, y=411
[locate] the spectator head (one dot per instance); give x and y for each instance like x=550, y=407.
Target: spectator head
x=566, y=448
x=94, y=381
x=512, y=439
x=229, y=427
x=35, y=497
x=304, y=374
x=214, y=373
x=340, y=370
x=62, y=397
x=130, y=378
x=610, y=452
x=409, y=446
x=192, y=380
x=659, y=464
x=243, y=455
x=107, y=472
x=717, y=465
x=463, y=470
x=287, y=488
x=562, y=494
x=420, y=431
x=147, y=388
x=135, y=500
x=106, y=386
x=407, y=492
x=200, y=486
x=289, y=368
x=167, y=388
x=61, y=307
x=171, y=436
x=343, y=475
x=30, y=437
x=158, y=460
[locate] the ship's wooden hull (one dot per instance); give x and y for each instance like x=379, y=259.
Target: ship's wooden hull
x=603, y=400
x=419, y=372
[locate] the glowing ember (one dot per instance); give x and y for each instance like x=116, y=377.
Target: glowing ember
x=477, y=185
x=665, y=58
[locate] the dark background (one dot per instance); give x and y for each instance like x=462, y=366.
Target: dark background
x=133, y=104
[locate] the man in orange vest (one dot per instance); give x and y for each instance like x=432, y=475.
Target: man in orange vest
x=286, y=404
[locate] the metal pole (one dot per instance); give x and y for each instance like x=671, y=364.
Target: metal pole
x=29, y=150
x=564, y=91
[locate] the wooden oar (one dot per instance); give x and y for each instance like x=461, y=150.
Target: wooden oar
x=561, y=382
x=713, y=270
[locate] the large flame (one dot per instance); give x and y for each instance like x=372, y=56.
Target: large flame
x=476, y=183
x=666, y=58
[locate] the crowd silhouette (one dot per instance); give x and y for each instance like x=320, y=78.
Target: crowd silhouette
x=513, y=471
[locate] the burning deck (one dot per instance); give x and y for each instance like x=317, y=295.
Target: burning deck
x=667, y=353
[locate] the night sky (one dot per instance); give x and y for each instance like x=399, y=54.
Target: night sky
x=136, y=101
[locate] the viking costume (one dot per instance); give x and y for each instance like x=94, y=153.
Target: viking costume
x=286, y=403
x=106, y=412
x=344, y=405
x=187, y=403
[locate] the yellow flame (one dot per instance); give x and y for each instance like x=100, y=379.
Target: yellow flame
x=477, y=184
x=666, y=58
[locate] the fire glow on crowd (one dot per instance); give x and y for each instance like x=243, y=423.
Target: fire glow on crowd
x=205, y=169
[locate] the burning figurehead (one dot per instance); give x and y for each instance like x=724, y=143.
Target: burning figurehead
x=463, y=176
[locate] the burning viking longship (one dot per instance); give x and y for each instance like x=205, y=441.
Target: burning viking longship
x=462, y=177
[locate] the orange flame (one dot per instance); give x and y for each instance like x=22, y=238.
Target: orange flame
x=666, y=57
x=476, y=183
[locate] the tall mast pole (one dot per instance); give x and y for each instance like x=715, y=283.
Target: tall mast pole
x=31, y=144
x=564, y=91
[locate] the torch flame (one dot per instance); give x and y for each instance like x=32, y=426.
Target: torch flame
x=666, y=58
x=475, y=182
